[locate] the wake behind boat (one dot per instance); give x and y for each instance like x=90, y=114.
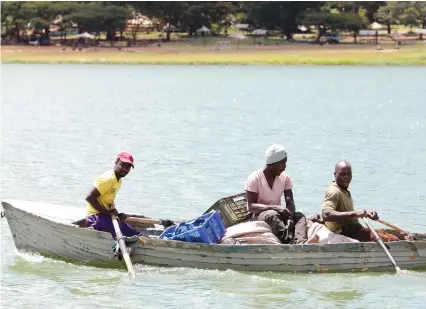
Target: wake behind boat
x=67, y=238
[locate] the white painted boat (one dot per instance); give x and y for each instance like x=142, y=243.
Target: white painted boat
x=64, y=238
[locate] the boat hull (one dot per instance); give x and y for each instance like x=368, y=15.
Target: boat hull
x=34, y=233
x=68, y=241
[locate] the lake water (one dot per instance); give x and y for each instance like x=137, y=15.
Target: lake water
x=196, y=134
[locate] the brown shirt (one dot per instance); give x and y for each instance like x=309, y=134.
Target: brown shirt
x=338, y=199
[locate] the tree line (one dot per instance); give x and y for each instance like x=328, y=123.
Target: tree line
x=110, y=17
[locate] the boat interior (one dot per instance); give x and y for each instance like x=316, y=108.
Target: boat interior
x=233, y=210
x=147, y=230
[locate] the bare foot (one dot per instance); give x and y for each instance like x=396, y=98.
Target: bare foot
x=313, y=240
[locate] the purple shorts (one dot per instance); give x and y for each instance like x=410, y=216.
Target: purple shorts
x=103, y=222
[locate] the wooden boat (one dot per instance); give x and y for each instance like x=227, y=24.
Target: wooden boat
x=66, y=238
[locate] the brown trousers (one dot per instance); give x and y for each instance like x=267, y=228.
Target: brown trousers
x=288, y=230
x=358, y=232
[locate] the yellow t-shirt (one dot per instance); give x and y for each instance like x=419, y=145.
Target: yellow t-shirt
x=108, y=185
x=340, y=200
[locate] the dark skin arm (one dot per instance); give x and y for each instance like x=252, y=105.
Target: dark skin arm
x=92, y=199
x=254, y=207
x=289, y=201
x=336, y=216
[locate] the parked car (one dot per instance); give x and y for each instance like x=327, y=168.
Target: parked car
x=332, y=38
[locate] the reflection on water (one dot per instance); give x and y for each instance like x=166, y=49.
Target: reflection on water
x=246, y=289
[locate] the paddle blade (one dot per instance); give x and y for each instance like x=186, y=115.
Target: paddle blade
x=400, y=271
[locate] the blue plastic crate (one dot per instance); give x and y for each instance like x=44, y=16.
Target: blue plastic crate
x=208, y=228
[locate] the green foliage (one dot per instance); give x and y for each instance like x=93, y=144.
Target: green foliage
x=386, y=14
x=285, y=16
x=13, y=18
x=272, y=15
x=325, y=21
x=409, y=13
x=97, y=17
x=410, y=17
x=415, y=14
x=389, y=14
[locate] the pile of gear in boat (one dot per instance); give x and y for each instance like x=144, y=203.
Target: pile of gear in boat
x=210, y=229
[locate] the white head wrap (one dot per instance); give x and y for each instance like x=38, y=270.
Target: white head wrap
x=275, y=153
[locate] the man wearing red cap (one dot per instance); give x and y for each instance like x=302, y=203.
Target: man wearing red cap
x=101, y=198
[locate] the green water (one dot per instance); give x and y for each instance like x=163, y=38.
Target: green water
x=196, y=134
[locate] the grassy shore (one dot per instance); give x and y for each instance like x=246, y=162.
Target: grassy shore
x=179, y=54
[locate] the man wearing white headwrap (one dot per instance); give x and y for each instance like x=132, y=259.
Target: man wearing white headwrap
x=275, y=153
x=264, y=189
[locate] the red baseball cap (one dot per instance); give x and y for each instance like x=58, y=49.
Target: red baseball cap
x=126, y=157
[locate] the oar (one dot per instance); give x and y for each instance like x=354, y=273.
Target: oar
x=123, y=248
x=393, y=226
x=382, y=244
x=145, y=220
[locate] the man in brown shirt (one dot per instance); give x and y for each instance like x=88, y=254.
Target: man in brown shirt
x=338, y=208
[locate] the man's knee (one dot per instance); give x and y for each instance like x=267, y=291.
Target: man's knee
x=298, y=215
x=268, y=215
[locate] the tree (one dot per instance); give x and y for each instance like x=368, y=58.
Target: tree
x=366, y=8
x=168, y=12
x=134, y=26
x=187, y=15
x=325, y=21
x=371, y=8
x=264, y=14
x=222, y=13
x=318, y=19
x=140, y=10
x=87, y=16
x=196, y=15
x=411, y=17
x=388, y=14
x=201, y=13
x=226, y=23
x=355, y=14
x=278, y=15
x=415, y=15
x=99, y=17
x=13, y=19
x=113, y=19
x=62, y=9
x=40, y=14
x=421, y=6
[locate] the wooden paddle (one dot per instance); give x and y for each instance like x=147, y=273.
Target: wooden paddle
x=123, y=248
x=145, y=220
x=393, y=226
x=382, y=244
